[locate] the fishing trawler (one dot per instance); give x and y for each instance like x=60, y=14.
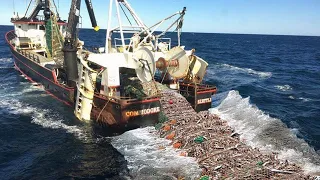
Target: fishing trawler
x=114, y=86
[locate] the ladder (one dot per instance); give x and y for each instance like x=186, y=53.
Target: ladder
x=85, y=91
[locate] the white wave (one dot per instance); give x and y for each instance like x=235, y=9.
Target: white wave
x=284, y=87
x=8, y=91
x=260, y=130
x=300, y=98
x=6, y=60
x=295, y=131
x=14, y=106
x=6, y=63
x=33, y=88
x=304, y=99
x=40, y=116
x=291, y=97
x=43, y=117
x=298, y=156
x=249, y=71
x=5, y=67
x=141, y=149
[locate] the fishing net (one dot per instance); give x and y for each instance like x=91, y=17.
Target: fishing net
x=216, y=146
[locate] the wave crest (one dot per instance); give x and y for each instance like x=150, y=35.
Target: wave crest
x=260, y=130
x=284, y=87
x=249, y=71
x=141, y=149
x=43, y=117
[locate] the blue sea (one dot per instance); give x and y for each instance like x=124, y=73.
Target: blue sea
x=268, y=91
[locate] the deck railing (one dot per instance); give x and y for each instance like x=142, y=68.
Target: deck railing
x=32, y=56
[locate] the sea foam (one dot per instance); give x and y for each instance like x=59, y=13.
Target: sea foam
x=141, y=149
x=248, y=71
x=260, y=130
x=6, y=63
x=40, y=116
x=5, y=60
x=284, y=87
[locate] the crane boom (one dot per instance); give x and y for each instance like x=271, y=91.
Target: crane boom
x=71, y=40
x=91, y=15
x=73, y=20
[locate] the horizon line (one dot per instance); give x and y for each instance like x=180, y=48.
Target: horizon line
x=235, y=33
x=305, y=35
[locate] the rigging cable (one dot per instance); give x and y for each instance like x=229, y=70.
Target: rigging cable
x=129, y=12
x=27, y=8
x=58, y=5
x=125, y=14
x=128, y=20
x=54, y=3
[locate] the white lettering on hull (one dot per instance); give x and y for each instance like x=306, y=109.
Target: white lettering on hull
x=143, y=112
x=204, y=101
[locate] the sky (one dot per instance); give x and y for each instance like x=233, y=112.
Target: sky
x=284, y=17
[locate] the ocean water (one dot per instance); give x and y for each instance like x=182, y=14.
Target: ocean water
x=269, y=91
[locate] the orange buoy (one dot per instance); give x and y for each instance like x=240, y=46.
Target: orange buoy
x=173, y=122
x=170, y=136
x=166, y=128
x=177, y=145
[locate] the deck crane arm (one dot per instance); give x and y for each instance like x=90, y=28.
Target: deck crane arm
x=91, y=15
x=71, y=40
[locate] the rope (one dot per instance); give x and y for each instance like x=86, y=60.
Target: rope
x=103, y=109
x=176, y=21
x=164, y=75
